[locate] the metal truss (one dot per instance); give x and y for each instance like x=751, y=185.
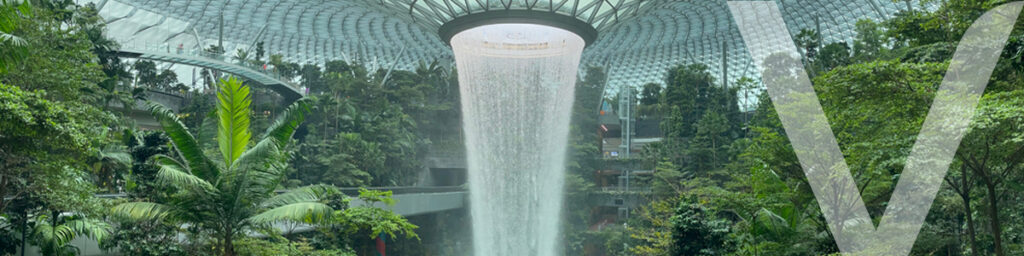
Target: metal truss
x=638, y=40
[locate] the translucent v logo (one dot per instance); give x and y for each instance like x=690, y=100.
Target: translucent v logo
x=773, y=51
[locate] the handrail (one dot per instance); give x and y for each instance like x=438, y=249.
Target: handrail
x=194, y=52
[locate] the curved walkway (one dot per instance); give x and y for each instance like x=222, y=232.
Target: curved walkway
x=199, y=58
x=409, y=201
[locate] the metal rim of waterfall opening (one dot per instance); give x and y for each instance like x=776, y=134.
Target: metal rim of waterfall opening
x=582, y=29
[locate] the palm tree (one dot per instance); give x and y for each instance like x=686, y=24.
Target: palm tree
x=54, y=235
x=241, y=56
x=108, y=165
x=228, y=193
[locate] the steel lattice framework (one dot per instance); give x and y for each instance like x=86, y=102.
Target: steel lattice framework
x=638, y=40
x=599, y=13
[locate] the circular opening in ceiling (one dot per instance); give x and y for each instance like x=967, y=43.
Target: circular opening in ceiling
x=580, y=28
x=517, y=40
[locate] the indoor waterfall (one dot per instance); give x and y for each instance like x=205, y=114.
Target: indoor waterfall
x=517, y=83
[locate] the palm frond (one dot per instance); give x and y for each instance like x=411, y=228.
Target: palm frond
x=50, y=239
x=173, y=173
x=42, y=230
x=184, y=143
x=92, y=228
x=312, y=193
x=257, y=171
x=261, y=156
x=116, y=155
x=233, y=112
x=307, y=212
x=139, y=211
x=207, y=133
x=289, y=120
x=62, y=234
x=15, y=41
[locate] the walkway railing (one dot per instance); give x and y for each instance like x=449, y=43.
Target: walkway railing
x=195, y=52
x=639, y=189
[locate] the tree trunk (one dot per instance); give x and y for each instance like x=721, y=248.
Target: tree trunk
x=24, y=229
x=3, y=191
x=970, y=225
x=966, y=196
x=993, y=212
x=229, y=244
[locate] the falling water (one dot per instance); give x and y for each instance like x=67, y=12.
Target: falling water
x=517, y=83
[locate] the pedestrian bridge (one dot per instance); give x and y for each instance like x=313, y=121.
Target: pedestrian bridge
x=204, y=59
x=412, y=201
x=409, y=201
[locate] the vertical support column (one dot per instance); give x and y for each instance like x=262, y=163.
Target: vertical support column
x=817, y=28
x=725, y=65
x=220, y=33
x=626, y=104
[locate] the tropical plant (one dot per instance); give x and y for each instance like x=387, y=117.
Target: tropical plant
x=60, y=59
x=697, y=231
x=375, y=219
x=279, y=246
x=228, y=193
x=109, y=165
x=54, y=235
x=363, y=132
x=363, y=222
x=12, y=47
x=241, y=56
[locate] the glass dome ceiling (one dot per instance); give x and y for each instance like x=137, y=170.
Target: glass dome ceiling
x=637, y=39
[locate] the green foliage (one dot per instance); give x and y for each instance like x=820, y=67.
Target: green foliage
x=875, y=96
x=54, y=141
x=808, y=40
x=375, y=219
x=577, y=217
x=46, y=173
x=690, y=92
x=233, y=119
x=583, y=162
x=916, y=28
x=141, y=182
x=226, y=199
x=263, y=247
x=833, y=55
x=110, y=165
x=650, y=230
x=144, y=239
x=12, y=47
x=701, y=121
x=61, y=58
x=54, y=235
x=287, y=70
x=697, y=231
x=875, y=110
x=869, y=44
x=145, y=73
x=367, y=132
x=367, y=220
x=992, y=151
x=650, y=93
x=308, y=204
